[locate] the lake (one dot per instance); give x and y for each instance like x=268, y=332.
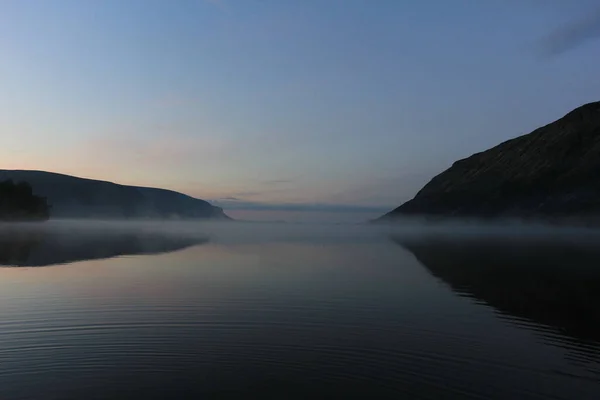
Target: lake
x=184, y=310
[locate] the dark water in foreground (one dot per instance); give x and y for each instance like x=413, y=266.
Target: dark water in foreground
x=163, y=311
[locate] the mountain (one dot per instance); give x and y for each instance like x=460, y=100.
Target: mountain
x=73, y=197
x=551, y=172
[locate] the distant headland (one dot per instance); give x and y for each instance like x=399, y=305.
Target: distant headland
x=72, y=197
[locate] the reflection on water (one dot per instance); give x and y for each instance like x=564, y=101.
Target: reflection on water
x=38, y=246
x=537, y=284
x=294, y=312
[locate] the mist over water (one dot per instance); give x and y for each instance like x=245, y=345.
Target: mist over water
x=149, y=310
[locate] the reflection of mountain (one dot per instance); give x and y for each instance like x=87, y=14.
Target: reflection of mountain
x=551, y=284
x=39, y=247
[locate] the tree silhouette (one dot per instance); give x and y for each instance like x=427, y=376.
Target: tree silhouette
x=18, y=203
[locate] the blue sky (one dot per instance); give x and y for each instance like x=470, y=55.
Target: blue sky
x=328, y=105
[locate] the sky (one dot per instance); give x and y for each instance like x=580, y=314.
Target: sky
x=276, y=109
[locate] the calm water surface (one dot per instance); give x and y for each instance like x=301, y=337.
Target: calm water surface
x=153, y=311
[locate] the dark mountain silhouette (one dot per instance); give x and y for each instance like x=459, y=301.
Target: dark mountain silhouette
x=73, y=197
x=555, y=284
x=550, y=172
x=23, y=247
x=18, y=203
